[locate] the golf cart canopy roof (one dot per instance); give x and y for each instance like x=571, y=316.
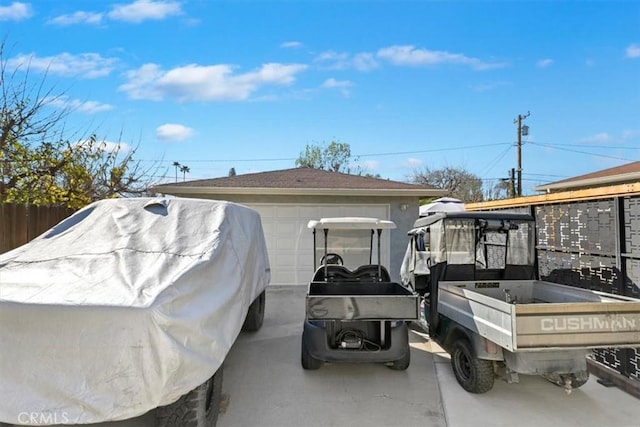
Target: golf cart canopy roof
x=490, y=215
x=351, y=223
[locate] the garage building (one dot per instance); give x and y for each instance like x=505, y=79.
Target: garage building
x=287, y=199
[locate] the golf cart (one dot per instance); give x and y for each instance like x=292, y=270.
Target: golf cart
x=354, y=312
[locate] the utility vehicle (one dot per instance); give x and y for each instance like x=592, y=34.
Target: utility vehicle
x=485, y=305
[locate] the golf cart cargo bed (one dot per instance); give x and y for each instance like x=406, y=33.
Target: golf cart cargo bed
x=361, y=301
x=541, y=315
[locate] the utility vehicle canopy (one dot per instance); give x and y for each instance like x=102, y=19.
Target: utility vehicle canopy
x=492, y=216
x=351, y=223
x=480, y=240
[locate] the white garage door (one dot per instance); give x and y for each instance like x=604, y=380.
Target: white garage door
x=290, y=242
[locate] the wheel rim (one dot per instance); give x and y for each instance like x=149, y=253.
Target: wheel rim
x=463, y=365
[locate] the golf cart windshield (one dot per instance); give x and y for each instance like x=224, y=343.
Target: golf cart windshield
x=348, y=241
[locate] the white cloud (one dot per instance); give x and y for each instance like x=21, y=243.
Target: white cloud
x=333, y=60
x=341, y=61
x=144, y=10
x=79, y=17
x=633, y=51
x=112, y=147
x=365, y=62
x=408, y=55
x=84, y=66
x=291, y=45
x=173, y=132
x=630, y=134
x=343, y=85
x=92, y=107
x=333, y=83
x=205, y=82
x=16, y=11
x=143, y=83
x=544, y=63
x=600, y=137
x=108, y=147
x=86, y=107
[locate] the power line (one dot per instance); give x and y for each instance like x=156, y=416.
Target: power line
x=547, y=174
x=580, y=152
x=607, y=147
x=498, y=158
x=396, y=153
x=221, y=160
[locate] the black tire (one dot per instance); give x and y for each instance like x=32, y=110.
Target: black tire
x=308, y=361
x=403, y=363
x=198, y=408
x=473, y=374
x=255, y=315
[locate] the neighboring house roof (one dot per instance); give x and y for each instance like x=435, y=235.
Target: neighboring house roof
x=299, y=181
x=627, y=173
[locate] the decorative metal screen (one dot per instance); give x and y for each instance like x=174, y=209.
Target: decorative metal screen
x=581, y=244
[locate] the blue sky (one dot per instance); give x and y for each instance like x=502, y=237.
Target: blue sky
x=407, y=84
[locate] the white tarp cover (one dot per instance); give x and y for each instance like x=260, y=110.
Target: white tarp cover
x=125, y=306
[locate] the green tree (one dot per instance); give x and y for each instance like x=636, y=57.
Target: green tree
x=39, y=165
x=460, y=183
x=185, y=170
x=503, y=189
x=336, y=157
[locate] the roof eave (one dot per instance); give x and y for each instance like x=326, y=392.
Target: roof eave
x=269, y=191
x=590, y=182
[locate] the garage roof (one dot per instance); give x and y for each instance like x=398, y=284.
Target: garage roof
x=629, y=172
x=297, y=181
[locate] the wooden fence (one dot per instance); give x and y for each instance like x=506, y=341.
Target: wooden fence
x=21, y=223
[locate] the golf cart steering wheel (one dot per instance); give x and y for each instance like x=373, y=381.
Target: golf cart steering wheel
x=331, y=258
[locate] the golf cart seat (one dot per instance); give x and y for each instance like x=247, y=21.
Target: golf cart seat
x=332, y=273
x=370, y=273
x=339, y=273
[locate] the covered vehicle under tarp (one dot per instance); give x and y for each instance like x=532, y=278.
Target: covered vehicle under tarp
x=125, y=306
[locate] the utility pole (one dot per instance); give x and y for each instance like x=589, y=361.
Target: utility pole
x=512, y=179
x=521, y=131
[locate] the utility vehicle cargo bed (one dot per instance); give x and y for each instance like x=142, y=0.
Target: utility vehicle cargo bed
x=539, y=315
x=361, y=301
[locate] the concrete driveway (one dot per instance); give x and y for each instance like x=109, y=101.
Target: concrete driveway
x=264, y=385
